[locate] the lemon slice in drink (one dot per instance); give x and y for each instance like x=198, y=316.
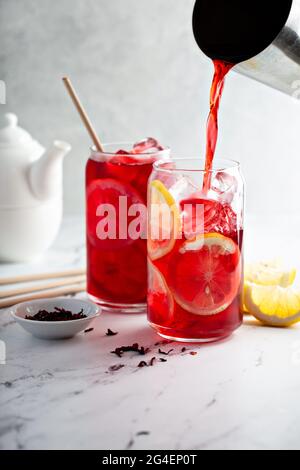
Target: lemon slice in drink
x=160, y=300
x=204, y=275
x=273, y=305
x=164, y=221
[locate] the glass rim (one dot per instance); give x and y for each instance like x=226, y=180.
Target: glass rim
x=94, y=150
x=223, y=164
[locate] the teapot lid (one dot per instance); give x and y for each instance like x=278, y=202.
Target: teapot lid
x=11, y=135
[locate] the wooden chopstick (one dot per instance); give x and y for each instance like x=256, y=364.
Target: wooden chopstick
x=41, y=276
x=43, y=295
x=40, y=287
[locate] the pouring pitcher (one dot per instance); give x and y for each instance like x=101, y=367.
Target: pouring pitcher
x=260, y=37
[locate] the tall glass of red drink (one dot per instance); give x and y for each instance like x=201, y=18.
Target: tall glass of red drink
x=195, y=250
x=116, y=219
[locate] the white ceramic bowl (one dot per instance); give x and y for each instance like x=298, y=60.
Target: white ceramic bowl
x=55, y=329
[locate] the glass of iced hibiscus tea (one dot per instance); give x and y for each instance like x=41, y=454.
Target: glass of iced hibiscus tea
x=116, y=220
x=195, y=249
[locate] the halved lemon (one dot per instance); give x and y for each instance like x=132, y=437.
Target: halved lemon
x=164, y=221
x=204, y=275
x=273, y=305
x=268, y=273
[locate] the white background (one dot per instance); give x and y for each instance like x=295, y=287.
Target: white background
x=139, y=73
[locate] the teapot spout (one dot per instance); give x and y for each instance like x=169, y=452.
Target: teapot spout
x=46, y=173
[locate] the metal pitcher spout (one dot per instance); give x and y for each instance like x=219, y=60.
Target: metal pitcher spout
x=278, y=66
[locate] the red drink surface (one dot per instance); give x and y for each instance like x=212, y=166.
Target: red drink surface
x=117, y=268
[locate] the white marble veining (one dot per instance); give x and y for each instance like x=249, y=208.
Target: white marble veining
x=240, y=393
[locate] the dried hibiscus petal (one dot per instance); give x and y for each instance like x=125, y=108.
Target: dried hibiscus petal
x=111, y=333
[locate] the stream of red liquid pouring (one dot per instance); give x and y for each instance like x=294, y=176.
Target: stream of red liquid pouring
x=221, y=70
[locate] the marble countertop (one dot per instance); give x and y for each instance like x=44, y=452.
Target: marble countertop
x=240, y=393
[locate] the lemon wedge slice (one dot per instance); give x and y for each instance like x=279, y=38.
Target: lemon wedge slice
x=205, y=274
x=273, y=305
x=269, y=274
x=164, y=221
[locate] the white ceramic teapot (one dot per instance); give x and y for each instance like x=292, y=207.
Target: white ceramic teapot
x=30, y=192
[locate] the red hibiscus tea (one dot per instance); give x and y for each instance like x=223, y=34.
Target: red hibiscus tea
x=221, y=70
x=195, y=250
x=116, y=198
